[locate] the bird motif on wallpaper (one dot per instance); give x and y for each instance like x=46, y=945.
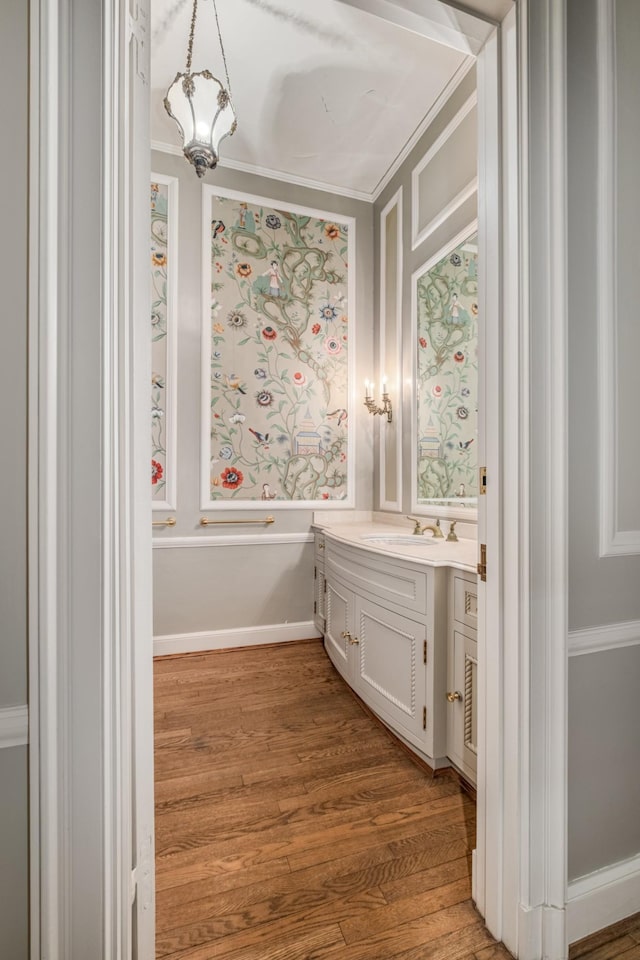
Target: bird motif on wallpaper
x=340, y=415
x=217, y=227
x=465, y=444
x=260, y=437
x=234, y=383
x=267, y=493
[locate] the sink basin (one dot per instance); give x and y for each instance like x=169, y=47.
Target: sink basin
x=408, y=540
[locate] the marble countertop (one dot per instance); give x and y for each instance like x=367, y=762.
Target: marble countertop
x=426, y=550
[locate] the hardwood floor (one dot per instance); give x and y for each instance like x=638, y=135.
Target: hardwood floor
x=291, y=826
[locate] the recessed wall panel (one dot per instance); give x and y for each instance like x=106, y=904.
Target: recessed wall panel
x=447, y=175
x=627, y=205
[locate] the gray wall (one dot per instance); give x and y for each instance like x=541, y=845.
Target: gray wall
x=604, y=715
x=413, y=259
x=604, y=786
x=14, y=856
x=13, y=403
x=206, y=589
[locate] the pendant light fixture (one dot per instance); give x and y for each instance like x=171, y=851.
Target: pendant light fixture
x=201, y=106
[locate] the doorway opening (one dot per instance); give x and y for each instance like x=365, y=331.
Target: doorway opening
x=165, y=165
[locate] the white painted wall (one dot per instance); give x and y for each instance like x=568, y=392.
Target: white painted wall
x=604, y=717
x=248, y=585
x=14, y=930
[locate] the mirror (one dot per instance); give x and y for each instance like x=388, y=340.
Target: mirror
x=445, y=298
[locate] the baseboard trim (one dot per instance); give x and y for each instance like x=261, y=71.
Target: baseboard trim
x=602, y=898
x=237, y=637
x=14, y=726
x=611, y=636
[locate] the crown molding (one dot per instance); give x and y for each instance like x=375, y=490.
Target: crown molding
x=280, y=175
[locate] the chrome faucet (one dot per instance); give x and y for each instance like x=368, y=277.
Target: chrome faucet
x=419, y=528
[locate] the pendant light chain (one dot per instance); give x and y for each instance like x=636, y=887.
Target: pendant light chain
x=192, y=31
x=224, y=59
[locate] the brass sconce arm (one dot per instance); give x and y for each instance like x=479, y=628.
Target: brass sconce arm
x=374, y=408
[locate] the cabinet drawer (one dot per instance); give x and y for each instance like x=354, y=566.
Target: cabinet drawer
x=384, y=579
x=465, y=602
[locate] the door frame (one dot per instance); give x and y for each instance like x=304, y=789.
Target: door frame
x=86, y=47
x=89, y=524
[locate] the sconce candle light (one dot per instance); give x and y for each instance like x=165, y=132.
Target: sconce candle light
x=372, y=406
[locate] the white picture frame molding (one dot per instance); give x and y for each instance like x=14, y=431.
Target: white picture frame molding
x=170, y=501
x=206, y=504
x=613, y=541
x=454, y=511
x=396, y=387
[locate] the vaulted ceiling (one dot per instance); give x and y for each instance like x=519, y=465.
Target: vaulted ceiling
x=326, y=92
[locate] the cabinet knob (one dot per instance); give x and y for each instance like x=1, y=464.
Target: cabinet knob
x=345, y=634
x=453, y=696
x=353, y=639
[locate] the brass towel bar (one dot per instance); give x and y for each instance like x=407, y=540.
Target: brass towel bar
x=206, y=523
x=169, y=522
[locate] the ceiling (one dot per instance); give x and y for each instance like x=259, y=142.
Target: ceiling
x=326, y=92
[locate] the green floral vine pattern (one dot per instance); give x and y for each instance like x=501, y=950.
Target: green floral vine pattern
x=447, y=373
x=279, y=354
x=159, y=211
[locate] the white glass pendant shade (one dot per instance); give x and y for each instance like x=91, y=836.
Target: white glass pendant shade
x=202, y=108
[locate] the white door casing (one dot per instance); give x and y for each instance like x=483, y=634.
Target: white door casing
x=90, y=645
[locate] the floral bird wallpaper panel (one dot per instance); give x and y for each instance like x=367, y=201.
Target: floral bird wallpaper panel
x=277, y=354
x=162, y=341
x=447, y=376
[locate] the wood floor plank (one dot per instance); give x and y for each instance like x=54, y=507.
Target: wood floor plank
x=399, y=939
x=336, y=879
x=228, y=821
x=496, y=951
x=231, y=931
x=460, y=944
x=408, y=825
x=392, y=915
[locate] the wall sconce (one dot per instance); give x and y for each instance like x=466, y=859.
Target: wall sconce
x=370, y=403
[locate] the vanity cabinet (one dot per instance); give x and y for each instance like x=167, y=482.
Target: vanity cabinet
x=462, y=674
x=385, y=632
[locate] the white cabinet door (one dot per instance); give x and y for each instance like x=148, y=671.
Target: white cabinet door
x=462, y=716
x=390, y=672
x=339, y=613
x=319, y=590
